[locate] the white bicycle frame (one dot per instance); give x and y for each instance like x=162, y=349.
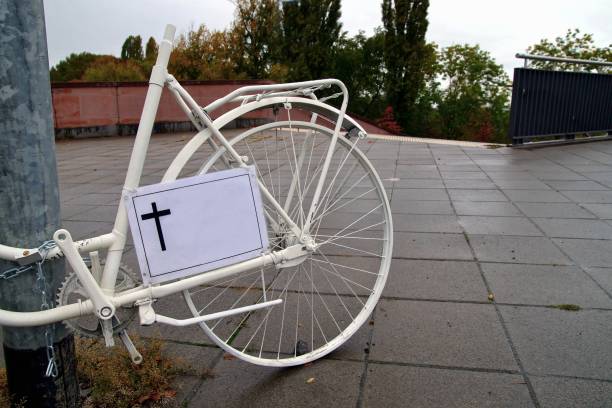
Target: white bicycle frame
x=102, y=298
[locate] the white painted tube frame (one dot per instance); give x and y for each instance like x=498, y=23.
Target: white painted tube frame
x=27, y=319
x=115, y=241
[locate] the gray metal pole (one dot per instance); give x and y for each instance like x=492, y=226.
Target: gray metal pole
x=29, y=206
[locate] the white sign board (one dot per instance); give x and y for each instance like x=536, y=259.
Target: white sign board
x=196, y=224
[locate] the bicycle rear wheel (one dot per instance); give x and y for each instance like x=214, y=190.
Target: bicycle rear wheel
x=329, y=295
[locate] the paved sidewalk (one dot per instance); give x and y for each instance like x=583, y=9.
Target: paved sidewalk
x=531, y=227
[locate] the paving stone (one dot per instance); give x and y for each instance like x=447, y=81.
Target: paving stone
x=86, y=229
x=239, y=384
x=498, y=226
x=470, y=184
x=588, y=168
x=411, y=194
x=603, y=211
x=558, y=175
x=529, y=196
x=576, y=185
x=544, y=285
x=587, y=252
x=415, y=167
x=534, y=250
x=431, y=387
x=476, y=195
x=463, y=175
x=595, y=197
x=569, y=392
x=417, y=183
x=504, y=209
x=197, y=362
x=421, y=207
x=548, y=341
x=510, y=175
x=69, y=211
x=418, y=174
x=572, y=228
x=446, y=280
x=556, y=210
x=603, y=276
x=411, y=159
x=552, y=341
x=426, y=327
x=430, y=246
x=103, y=213
x=522, y=184
x=453, y=166
x=96, y=199
x=426, y=223
x=110, y=189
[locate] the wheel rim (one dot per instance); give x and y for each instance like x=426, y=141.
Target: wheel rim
x=331, y=294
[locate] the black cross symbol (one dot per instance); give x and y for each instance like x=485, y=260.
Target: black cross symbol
x=157, y=214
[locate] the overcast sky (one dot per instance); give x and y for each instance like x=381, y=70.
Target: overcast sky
x=500, y=27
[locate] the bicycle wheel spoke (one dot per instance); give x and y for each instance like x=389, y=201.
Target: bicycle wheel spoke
x=354, y=249
x=344, y=266
x=369, y=227
x=325, y=298
x=339, y=275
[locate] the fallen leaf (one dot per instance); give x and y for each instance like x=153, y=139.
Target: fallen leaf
x=228, y=356
x=311, y=380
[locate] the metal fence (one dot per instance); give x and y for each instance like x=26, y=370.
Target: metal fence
x=548, y=105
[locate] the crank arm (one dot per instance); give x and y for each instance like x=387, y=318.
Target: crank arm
x=103, y=307
x=131, y=348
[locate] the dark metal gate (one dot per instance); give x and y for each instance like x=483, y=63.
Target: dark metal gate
x=555, y=104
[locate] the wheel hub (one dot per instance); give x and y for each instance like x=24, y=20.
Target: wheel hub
x=296, y=250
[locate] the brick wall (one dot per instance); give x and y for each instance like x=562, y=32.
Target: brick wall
x=111, y=108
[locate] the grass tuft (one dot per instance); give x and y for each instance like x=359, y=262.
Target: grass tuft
x=108, y=378
x=566, y=306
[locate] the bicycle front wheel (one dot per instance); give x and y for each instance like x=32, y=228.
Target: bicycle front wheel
x=330, y=294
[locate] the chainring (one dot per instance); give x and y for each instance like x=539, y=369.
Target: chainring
x=71, y=291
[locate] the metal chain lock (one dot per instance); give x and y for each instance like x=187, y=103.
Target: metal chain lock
x=42, y=288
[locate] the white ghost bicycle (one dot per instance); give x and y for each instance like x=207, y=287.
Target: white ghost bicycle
x=326, y=212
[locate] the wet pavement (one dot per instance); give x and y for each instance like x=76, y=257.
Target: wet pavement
x=486, y=241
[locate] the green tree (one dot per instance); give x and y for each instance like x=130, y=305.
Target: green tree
x=72, y=67
x=310, y=31
x=406, y=53
x=359, y=64
x=255, y=36
x=132, y=48
x=473, y=102
x=203, y=54
x=573, y=45
x=112, y=69
x=151, y=50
